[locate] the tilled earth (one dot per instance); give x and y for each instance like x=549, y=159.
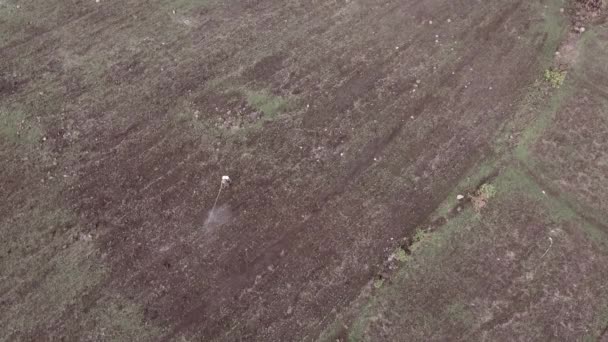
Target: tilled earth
x=345, y=126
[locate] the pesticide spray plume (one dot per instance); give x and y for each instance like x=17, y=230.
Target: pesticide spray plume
x=224, y=184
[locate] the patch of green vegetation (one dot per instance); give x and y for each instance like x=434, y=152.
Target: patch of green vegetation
x=487, y=190
x=420, y=238
x=555, y=77
x=480, y=171
x=458, y=312
x=420, y=235
x=44, y=247
x=121, y=320
x=562, y=208
x=378, y=283
x=514, y=181
x=401, y=255
x=263, y=101
x=12, y=22
x=331, y=332
x=15, y=128
x=59, y=285
x=434, y=263
x=433, y=248
x=552, y=28
x=26, y=247
x=601, y=323
x=482, y=196
x=360, y=324
x=192, y=120
x=585, y=69
x=546, y=110
x=540, y=123
x=589, y=338
x=266, y=104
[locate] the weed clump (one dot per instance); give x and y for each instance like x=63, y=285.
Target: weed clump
x=487, y=190
x=482, y=196
x=555, y=77
x=267, y=103
x=401, y=255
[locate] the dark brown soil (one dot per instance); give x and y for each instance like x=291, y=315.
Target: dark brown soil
x=343, y=126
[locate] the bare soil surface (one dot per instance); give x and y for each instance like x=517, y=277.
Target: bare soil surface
x=347, y=128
